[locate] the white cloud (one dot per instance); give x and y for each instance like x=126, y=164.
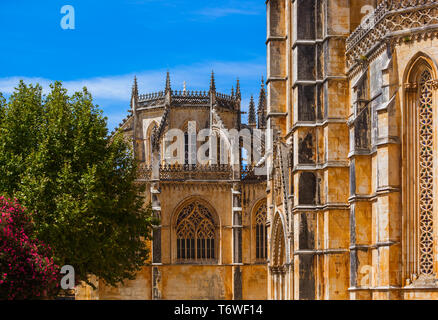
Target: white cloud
x=118, y=87
x=113, y=93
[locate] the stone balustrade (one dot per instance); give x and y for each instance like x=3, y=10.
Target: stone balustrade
x=391, y=17
x=177, y=172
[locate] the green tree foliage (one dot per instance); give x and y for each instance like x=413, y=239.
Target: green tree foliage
x=57, y=159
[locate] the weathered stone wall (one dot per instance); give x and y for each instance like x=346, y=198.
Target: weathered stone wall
x=379, y=208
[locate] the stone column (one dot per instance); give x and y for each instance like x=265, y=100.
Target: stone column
x=156, y=236
x=278, y=44
x=386, y=209
x=237, y=240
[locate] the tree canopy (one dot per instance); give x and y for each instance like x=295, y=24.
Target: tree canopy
x=56, y=157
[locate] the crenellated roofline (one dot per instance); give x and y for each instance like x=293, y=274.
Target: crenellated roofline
x=195, y=95
x=169, y=99
x=188, y=98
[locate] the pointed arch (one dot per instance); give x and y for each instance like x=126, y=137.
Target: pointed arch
x=419, y=170
x=278, y=252
x=418, y=62
x=260, y=229
x=190, y=143
x=279, y=257
x=149, y=133
x=196, y=232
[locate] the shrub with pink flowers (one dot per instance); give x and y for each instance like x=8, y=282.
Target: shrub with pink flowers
x=27, y=269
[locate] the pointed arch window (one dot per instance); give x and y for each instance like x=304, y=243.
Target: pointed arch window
x=150, y=137
x=278, y=260
x=190, y=143
x=261, y=232
x=420, y=174
x=195, y=234
x=186, y=147
x=425, y=179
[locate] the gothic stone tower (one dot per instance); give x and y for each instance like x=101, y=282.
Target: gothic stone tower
x=352, y=210
x=212, y=241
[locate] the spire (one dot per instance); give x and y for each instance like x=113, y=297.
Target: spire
x=212, y=83
x=168, y=88
x=185, y=88
x=238, y=95
x=261, y=111
x=135, y=87
x=252, y=121
x=232, y=91
x=134, y=95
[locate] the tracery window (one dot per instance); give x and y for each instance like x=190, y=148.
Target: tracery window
x=419, y=174
x=186, y=148
x=261, y=232
x=150, y=133
x=190, y=146
x=195, y=233
x=425, y=174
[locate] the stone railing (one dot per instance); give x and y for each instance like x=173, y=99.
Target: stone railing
x=151, y=96
x=186, y=98
x=195, y=172
x=225, y=97
x=367, y=25
x=190, y=98
x=144, y=171
x=178, y=172
x=248, y=173
x=390, y=16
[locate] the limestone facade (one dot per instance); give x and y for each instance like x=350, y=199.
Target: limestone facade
x=351, y=194
x=351, y=184
x=212, y=239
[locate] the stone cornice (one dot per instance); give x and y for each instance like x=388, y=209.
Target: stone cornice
x=392, y=21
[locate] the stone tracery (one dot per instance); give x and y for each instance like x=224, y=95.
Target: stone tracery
x=419, y=247
x=425, y=161
x=389, y=17
x=261, y=236
x=195, y=232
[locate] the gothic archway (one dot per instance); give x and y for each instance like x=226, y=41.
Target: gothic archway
x=278, y=268
x=419, y=173
x=149, y=134
x=196, y=233
x=260, y=231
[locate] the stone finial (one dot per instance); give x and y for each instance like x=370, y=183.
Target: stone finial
x=252, y=121
x=168, y=88
x=238, y=94
x=185, y=88
x=134, y=95
x=232, y=91
x=135, y=87
x=262, y=111
x=212, y=83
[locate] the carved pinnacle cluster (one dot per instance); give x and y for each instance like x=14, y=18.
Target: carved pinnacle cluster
x=135, y=87
x=212, y=83
x=168, y=88
x=238, y=94
x=262, y=108
x=252, y=114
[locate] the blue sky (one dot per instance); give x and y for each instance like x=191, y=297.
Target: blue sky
x=115, y=40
